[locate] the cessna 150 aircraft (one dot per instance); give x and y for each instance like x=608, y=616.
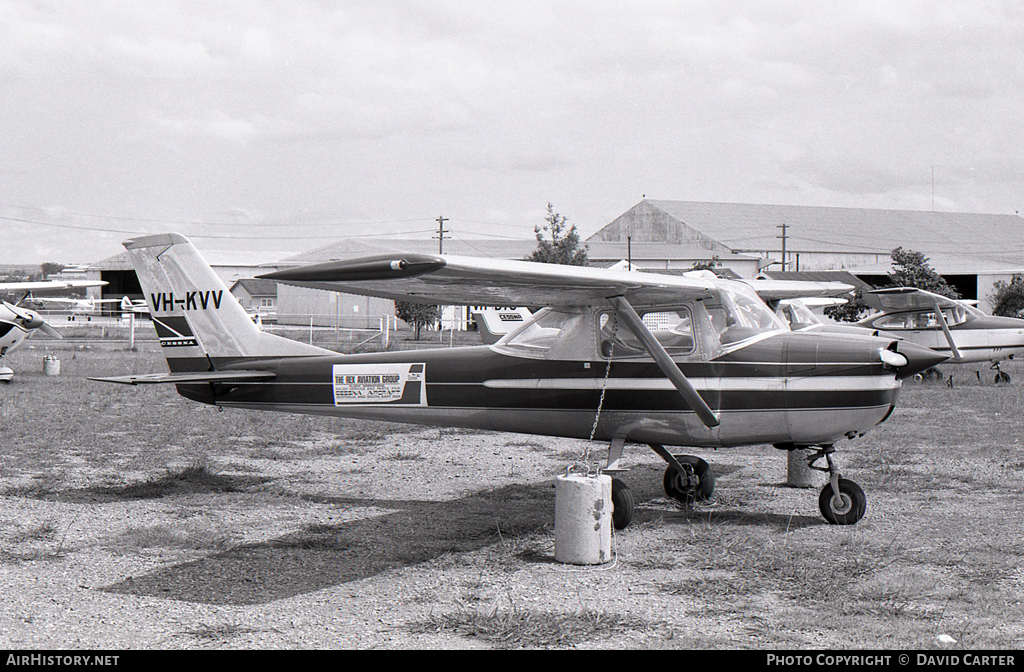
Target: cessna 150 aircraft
x=718, y=368
x=17, y=323
x=951, y=327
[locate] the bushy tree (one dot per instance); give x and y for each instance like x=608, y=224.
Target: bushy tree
x=708, y=265
x=851, y=311
x=51, y=268
x=1008, y=297
x=911, y=269
x=558, y=243
x=417, y=314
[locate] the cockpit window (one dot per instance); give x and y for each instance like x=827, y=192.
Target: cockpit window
x=922, y=319
x=545, y=331
x=673, y=329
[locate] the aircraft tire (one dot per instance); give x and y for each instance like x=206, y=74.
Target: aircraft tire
x=854, y=503
x=683, y=492
x=622, y=505
x=1002, y=377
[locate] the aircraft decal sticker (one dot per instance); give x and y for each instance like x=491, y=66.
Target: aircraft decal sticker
x=398, y=384
x=174, y=331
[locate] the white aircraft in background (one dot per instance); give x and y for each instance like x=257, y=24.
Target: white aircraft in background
x=75, y=306
x=134, y=306
x=948, y=326
x=493, y=323
x=17, y=323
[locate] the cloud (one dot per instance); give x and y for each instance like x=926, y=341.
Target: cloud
x=173, y=109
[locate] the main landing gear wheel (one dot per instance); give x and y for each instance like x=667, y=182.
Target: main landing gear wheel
x=622, y=504
x=695, y=482
x=847, y=508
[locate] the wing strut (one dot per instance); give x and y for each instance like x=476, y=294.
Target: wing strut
x=626, y=313
x=945, y=330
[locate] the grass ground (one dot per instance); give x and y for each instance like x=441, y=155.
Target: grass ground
x=242, y=529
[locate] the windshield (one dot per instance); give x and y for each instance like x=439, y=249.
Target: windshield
x=796, y=312
x=738, y=313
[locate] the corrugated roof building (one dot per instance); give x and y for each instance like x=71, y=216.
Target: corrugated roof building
x=972, y=251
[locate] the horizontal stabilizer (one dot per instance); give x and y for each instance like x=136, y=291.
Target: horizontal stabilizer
x=191, y=377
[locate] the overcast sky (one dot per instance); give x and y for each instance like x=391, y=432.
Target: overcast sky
x=295, y=123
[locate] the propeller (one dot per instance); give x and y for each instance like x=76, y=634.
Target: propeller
x=31, y=320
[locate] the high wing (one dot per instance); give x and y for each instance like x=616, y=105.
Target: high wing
x=781, y=290
x=898, y=299
x=73, y=302
x=49, y=284
x=454, y=280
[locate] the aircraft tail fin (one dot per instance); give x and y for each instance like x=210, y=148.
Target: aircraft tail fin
x=199, y=322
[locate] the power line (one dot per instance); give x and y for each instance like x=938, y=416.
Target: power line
x=139, y=231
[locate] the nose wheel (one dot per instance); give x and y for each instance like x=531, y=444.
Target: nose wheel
x=841, y=502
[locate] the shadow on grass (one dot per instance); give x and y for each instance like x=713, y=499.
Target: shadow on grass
x=410, y=532
x=190, y=480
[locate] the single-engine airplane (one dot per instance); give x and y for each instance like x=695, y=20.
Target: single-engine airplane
x=954, y=328
x=494, y=322
x=137, y=306
x=719, y=368
x=86, y=306
x=17, y=324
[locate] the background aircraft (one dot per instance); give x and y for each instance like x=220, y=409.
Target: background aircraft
x=719, y=369
x=86, y=306
x=17, y=324
x=494, y=323
x=951, y=327
x=137, y=306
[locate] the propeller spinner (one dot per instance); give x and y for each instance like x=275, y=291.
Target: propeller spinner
x=29, y=320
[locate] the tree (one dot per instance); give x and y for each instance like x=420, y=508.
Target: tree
x=708, y=265
x=1008, y=298
x=911, y=269
x=564, y=244
x=51, y=268
x=417, y=314
x=851, y=311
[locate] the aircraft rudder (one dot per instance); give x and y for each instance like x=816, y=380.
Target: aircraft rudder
x=194, y=312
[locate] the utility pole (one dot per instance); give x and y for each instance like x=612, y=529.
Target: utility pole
x=783, y=236
x=440, y=233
